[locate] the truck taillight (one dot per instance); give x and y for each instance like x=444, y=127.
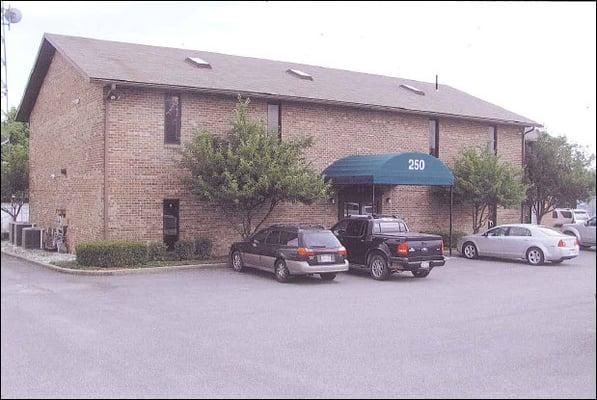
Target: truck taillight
x=304, y=252
x=402, y=249
x=562, y=243
x=342, y=251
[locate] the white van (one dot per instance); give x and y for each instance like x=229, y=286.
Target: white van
x=558, y=217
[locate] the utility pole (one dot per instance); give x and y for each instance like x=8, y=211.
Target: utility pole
x=9, y=16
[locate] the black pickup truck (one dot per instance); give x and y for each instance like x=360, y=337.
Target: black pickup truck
x=383, y=245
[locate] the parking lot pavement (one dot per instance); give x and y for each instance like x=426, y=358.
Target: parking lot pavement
x=478, y=328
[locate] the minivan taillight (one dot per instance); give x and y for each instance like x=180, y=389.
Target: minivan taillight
x=402, y=249
x=304, y=252
x=342, y=251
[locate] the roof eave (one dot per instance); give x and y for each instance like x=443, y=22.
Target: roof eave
x=311, y=100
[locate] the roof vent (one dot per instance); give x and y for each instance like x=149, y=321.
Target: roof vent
x=412, y=89
x=199, y=62
x=299, y=74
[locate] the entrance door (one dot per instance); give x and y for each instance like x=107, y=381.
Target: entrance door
x=171, y=226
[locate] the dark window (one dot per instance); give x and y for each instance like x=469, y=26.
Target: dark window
x=171, y=225
x=260, y=236
x=273, y=237
x=554, y=214
x=355, y=228
x=518, y=231
x=274, y=119
x=320, y=240
x=492, y=140
x=289, y=238
x=434, y=137
x=566, y=214
x=497, y=232
x=172, y=119
x=341, y=226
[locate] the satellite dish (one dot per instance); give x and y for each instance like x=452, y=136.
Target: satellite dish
x=13, y=15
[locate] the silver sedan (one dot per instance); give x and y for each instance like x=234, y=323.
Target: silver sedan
x=534, y=243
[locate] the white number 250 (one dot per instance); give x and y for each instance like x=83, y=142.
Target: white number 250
x=416, y=164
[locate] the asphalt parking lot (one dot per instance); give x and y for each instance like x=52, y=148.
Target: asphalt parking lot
x=478, y=328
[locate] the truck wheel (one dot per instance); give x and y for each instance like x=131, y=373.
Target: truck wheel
x=281, y=271
x=469, y=250
x=421, y=273
x=328, y=277
x=535, y=256
x=378, y=267
x=236, y=261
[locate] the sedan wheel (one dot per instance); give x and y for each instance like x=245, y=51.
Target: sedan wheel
x=237, y=261
x=469, y=250
x=378, y=267
x=535, y=256
x=281, y=271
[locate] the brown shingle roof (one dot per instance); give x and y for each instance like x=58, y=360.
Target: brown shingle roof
x=126, y=63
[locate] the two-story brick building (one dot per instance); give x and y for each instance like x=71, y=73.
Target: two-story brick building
x=108, y=120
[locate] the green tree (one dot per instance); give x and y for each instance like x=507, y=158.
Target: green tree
x=15, y=164
x=484, y=181
x=248, y=173
x=558, y=174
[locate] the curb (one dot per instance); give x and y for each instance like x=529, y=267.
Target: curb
x=122, y=271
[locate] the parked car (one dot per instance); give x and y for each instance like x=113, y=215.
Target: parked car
x=289, y=250
x=383, y=245
x=534, y=243
x=559, y=217
x=581, y=215
x=583, y=231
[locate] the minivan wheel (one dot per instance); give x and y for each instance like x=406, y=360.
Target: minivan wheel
x=236, y=261
x=281, y=271
x=535, y=256
x=469, y=250
x=378, y=267
x=330, y=276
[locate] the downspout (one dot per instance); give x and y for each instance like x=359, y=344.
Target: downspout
x=106, y=130
x=522, y=161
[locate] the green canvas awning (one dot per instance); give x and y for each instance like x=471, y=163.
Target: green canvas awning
x=411, y=168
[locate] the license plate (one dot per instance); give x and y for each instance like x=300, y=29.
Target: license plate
x=325, y=258
x=425, y=264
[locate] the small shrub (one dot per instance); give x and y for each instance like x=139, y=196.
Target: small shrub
x=157, y=251
x=446, y=237
x=184, y=249
x=111, y=253
x=203, y=248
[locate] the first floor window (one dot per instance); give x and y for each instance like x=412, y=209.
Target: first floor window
x=171, y=225
x=274, y=120
x=434, y=137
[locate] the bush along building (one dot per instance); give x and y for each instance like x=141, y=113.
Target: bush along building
x=108, y=119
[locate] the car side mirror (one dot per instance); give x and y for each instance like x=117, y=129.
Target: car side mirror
x=339, y=232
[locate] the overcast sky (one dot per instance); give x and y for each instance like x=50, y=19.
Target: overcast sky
x=535, y=59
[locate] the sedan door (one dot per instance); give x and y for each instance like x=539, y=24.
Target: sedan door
x=490, y=244
x=516, y=242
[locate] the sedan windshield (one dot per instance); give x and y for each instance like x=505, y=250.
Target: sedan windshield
x=323, y=239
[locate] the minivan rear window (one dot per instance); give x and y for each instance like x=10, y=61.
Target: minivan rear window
x=566, y=214
x=323, y=239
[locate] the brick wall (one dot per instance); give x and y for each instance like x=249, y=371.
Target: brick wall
x=142, y=171
x=66, y=126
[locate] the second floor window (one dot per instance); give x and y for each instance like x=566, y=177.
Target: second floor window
x=492, y=140
x=434, y=137
x=274, y=120
x=172, y=119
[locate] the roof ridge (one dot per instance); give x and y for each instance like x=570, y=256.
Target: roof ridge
x=239, y=56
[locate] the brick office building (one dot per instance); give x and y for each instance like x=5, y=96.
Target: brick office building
x=108, y=119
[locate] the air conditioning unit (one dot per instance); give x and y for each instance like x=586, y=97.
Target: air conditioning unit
x=32, y=238
x=18, y=232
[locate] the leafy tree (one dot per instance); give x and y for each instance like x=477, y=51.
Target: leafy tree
x=484, y=181
x=15, y=164
x=248, y=173
x=558, y=174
